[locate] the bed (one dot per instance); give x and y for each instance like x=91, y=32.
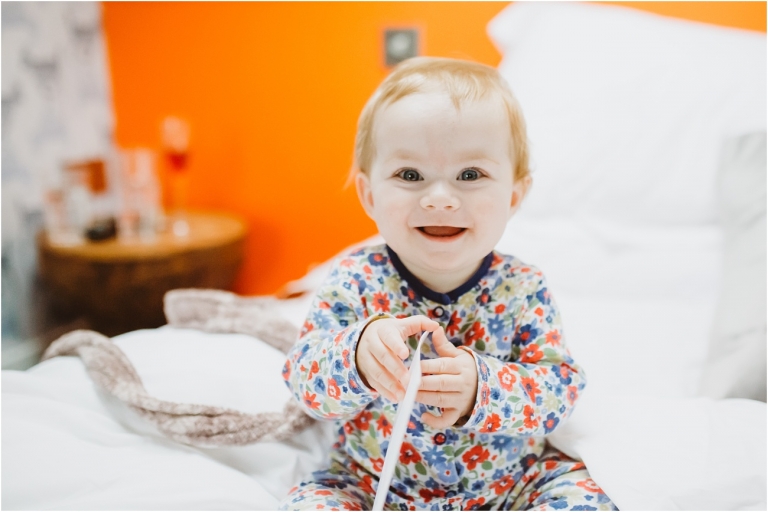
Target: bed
x=647, y=215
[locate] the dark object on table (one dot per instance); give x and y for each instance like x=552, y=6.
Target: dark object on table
x=102, y=229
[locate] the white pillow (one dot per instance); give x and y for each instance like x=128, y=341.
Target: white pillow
x=736, y=365
x=626, y=110
x=190, y=366
x=226, y=370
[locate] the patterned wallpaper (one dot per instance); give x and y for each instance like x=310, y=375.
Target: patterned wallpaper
x=56, y=106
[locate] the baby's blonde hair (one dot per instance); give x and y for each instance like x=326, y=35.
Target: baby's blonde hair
x=462, y=80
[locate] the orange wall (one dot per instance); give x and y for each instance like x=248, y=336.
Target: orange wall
x=273, y=91
x=748, y=15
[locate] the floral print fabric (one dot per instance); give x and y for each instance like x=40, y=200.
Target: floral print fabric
x=527, y=384
x=551, y=482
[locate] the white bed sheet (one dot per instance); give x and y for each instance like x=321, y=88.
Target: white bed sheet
x=63, y=450
x=651, y=453
x=68, y=446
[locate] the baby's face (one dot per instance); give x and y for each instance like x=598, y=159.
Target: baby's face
x=440, y=186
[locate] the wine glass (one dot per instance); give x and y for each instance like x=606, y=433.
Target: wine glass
x=175, y=133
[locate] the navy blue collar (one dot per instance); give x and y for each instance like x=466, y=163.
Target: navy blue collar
x=428, y=293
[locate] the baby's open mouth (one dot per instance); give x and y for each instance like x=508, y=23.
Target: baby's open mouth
x=441, y=231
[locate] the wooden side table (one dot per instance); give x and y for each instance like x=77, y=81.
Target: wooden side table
x=119, y=287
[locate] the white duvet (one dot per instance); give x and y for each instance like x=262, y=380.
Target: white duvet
x=67, y=446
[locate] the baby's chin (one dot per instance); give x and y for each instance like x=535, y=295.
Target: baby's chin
x=445, y=262
x=451, y=265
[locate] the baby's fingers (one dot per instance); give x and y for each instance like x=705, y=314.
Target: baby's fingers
x=378, y=376
x=440, y=399
x=391, y=339
x=386, y=357
x=441, y=365
x=387, y=394
x=449, y=417
x=388, y=385
x=416, y=325
x=443, y=347
x=449, y=383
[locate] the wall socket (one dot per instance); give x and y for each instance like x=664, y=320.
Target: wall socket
x=400, y=44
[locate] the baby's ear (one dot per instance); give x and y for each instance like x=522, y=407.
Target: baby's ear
x=519, y=191
x=364, y=192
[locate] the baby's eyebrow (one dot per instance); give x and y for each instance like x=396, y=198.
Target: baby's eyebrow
x=470, y=156
x=475, y=155
x=404, y=154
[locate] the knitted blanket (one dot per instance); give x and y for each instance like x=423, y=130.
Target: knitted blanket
x=198, y=425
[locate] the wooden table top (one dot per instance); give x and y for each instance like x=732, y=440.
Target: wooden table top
x=207, y=230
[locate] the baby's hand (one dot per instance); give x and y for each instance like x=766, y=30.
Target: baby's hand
x=449, y=381
x=381, y=351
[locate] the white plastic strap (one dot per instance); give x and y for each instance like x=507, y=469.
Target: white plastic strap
x=401, y=425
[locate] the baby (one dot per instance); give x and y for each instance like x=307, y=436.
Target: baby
x=441, y=166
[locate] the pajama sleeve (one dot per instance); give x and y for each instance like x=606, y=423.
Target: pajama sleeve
x=320, y=370
x=534, y=393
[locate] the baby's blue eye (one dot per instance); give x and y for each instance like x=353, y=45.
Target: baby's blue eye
x=410, y=175
x=469, y=175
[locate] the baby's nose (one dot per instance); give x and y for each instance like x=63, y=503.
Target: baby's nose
x=439, y=197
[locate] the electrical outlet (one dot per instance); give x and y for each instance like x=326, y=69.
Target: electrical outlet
x=400, y=44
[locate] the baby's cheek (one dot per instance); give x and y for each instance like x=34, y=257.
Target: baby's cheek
x=491, y=216
x=492, y=206
x=391, y=198
x=392, y=212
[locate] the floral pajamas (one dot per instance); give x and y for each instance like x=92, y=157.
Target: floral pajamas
x=527, y=385
x=551, y=482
